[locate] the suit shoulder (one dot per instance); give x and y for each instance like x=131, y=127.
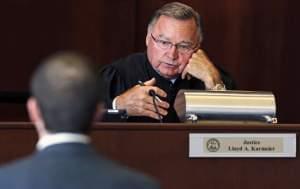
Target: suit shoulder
x=133, y=179
x=20, y=163
x=125, y=177
x=15, y=170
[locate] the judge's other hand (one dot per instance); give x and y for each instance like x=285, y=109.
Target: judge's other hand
x=138, y=102
x=200, y=67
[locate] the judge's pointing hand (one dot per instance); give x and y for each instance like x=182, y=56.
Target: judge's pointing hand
x=138, y=102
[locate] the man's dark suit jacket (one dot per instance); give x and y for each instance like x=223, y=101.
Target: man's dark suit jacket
x=70, y=166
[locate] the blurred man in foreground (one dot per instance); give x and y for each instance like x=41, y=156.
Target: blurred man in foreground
x=65, y=99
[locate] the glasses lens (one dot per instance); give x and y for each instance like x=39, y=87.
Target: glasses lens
x=164, y=44
x=182, y=48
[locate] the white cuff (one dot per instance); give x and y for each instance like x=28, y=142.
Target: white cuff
x=114, y=106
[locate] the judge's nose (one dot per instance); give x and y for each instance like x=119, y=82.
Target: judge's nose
x=172, y=52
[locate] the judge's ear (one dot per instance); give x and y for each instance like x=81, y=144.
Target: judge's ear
x=147, y=39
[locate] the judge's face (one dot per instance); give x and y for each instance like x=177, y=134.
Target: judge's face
x=170, y=44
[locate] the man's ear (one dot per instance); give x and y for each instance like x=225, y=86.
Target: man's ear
x=33, y=110
x=36, y=116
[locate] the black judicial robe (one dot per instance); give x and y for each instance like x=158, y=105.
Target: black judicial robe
x=125, y=73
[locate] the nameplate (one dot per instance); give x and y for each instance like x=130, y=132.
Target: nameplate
x=242, y=145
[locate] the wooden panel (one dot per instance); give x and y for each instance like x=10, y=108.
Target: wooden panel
x=30, y=30
x=162, y=152
x=257, y=42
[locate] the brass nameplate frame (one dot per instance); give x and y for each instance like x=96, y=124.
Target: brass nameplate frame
x=242, y=145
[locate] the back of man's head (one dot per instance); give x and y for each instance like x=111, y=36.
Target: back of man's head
x=67, y=92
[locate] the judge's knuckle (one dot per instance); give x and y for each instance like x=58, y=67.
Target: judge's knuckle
x=195, y=55
x=137, y=105
x=139, y=110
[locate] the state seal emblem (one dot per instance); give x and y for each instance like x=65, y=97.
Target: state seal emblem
x=213, y=145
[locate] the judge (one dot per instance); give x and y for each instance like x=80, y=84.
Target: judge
x=174, y=60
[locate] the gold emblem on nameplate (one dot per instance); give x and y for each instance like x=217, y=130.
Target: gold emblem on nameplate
x=213, y=145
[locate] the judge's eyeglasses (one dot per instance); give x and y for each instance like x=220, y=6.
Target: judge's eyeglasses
x=181, y=47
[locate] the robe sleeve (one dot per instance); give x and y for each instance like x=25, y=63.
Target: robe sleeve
x=113, y=83
x=227, y=79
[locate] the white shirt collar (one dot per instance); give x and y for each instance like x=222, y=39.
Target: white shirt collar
x=58, y=138
x=173, y=80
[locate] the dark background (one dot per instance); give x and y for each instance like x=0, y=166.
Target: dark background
x=256, y=41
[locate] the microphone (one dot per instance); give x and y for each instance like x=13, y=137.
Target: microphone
x=155, y=97
x=152, y=93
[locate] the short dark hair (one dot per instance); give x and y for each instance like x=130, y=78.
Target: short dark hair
x=67, y=92
x=178, y=11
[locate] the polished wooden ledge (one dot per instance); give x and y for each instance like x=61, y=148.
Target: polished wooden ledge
x=161, y=151
x=224, y=127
